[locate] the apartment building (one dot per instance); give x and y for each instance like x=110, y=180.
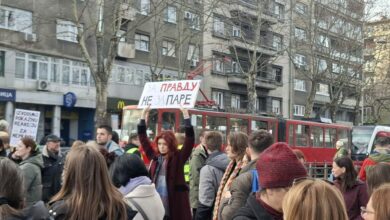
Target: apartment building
x=326, y=47
x=42, y=67
x=244, y=36
x=377, y=71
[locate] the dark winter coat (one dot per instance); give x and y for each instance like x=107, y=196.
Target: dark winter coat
x=355, y=197
x=210, y=178
x=179, y=206
x=59, y=211
x=51, y=174
x=38, y=211
x=252, y=210
x=240, y=190
x=31, y=168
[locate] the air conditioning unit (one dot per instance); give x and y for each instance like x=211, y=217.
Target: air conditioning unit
x=43, y=85
x=187, y=15
x=30, y=37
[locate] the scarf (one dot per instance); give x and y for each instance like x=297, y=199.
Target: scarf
x=232, y=171
x=134, y=183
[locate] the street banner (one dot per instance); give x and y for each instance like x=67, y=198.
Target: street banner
x=25, y=124
x=170, y=94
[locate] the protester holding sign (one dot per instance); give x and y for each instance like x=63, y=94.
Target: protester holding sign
x=166, y=169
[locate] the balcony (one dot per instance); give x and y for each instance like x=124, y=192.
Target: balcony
x=247, y=43
x=261, y=82
x=127, y=11
x=249, y=8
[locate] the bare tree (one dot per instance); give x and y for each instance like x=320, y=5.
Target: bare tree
x=326, y=51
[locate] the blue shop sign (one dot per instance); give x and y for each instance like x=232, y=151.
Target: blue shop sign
x=70, y=100
x=7, y=95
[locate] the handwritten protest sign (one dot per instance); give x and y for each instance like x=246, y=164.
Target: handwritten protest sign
x=25, y=124
x=170, y=94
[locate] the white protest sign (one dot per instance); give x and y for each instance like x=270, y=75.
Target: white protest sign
x=170, y=94
x=25, y=124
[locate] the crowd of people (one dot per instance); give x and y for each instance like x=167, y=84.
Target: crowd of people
x=253, y=178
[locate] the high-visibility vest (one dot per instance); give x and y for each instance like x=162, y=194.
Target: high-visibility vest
x=133, y=150
x=186, y=167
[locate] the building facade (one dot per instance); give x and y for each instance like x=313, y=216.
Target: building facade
x=377, y=71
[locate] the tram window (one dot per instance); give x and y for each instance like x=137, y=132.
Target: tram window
x=330, y=137
x=317, y=136
x=302, y=134
x=238, y=124
x=258, y=125
x=152, y=124
x=196, y=121
x=168, y=121
x=343, y=136
x=291, y=135
x=217, y=124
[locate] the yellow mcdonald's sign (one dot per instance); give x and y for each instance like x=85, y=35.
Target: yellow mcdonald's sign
x=120, y=104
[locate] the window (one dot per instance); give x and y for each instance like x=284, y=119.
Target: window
x=235, y=101
x=218, y=65
x=323, y=41
x=2, y=63
x=143, y=6
x=301, y=8
x=15, y=19
x=276, y=106
x=322, y=24
x=322, y=65
x=219, y=26
x=235, y=67
x=300, y=34
x=300, y=61
x=299, y=85
x=66, y=30
x=337, y=68
x=194, y=21
x=299, y=110
x=278, y=10
x=168, y=48
x=142, y=42
x=277, y=42
x=193, y=52
x=277, y=73
x=127, y=75
x=218, y=98
x=170, y=14
x=36, y=67
x=236, y=32
x=322, y=89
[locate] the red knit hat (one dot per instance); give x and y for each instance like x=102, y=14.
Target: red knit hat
x=278, y=166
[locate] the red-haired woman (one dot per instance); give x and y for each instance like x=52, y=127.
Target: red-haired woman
x=167, y=167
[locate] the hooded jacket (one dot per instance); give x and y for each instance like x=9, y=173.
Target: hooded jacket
x=111, y=146
x=210, y=178
x=31, y=168
x=372, y=160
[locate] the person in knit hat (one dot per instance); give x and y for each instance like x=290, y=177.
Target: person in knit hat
x=277, y=167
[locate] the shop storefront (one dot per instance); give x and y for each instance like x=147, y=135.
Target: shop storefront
x=7, y=100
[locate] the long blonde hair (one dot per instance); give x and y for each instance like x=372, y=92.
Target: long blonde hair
x=313, y=199
x=87, y=190
x=380, y=201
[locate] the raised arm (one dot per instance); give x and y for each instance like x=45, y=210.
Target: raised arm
x=189, y=140
x=143, y=138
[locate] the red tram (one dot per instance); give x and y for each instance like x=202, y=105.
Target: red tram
x=316, y=140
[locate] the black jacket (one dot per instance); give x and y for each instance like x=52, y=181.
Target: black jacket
x=51, y=174
x=252, y=210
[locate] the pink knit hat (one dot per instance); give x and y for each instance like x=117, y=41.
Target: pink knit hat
x=278, y=166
